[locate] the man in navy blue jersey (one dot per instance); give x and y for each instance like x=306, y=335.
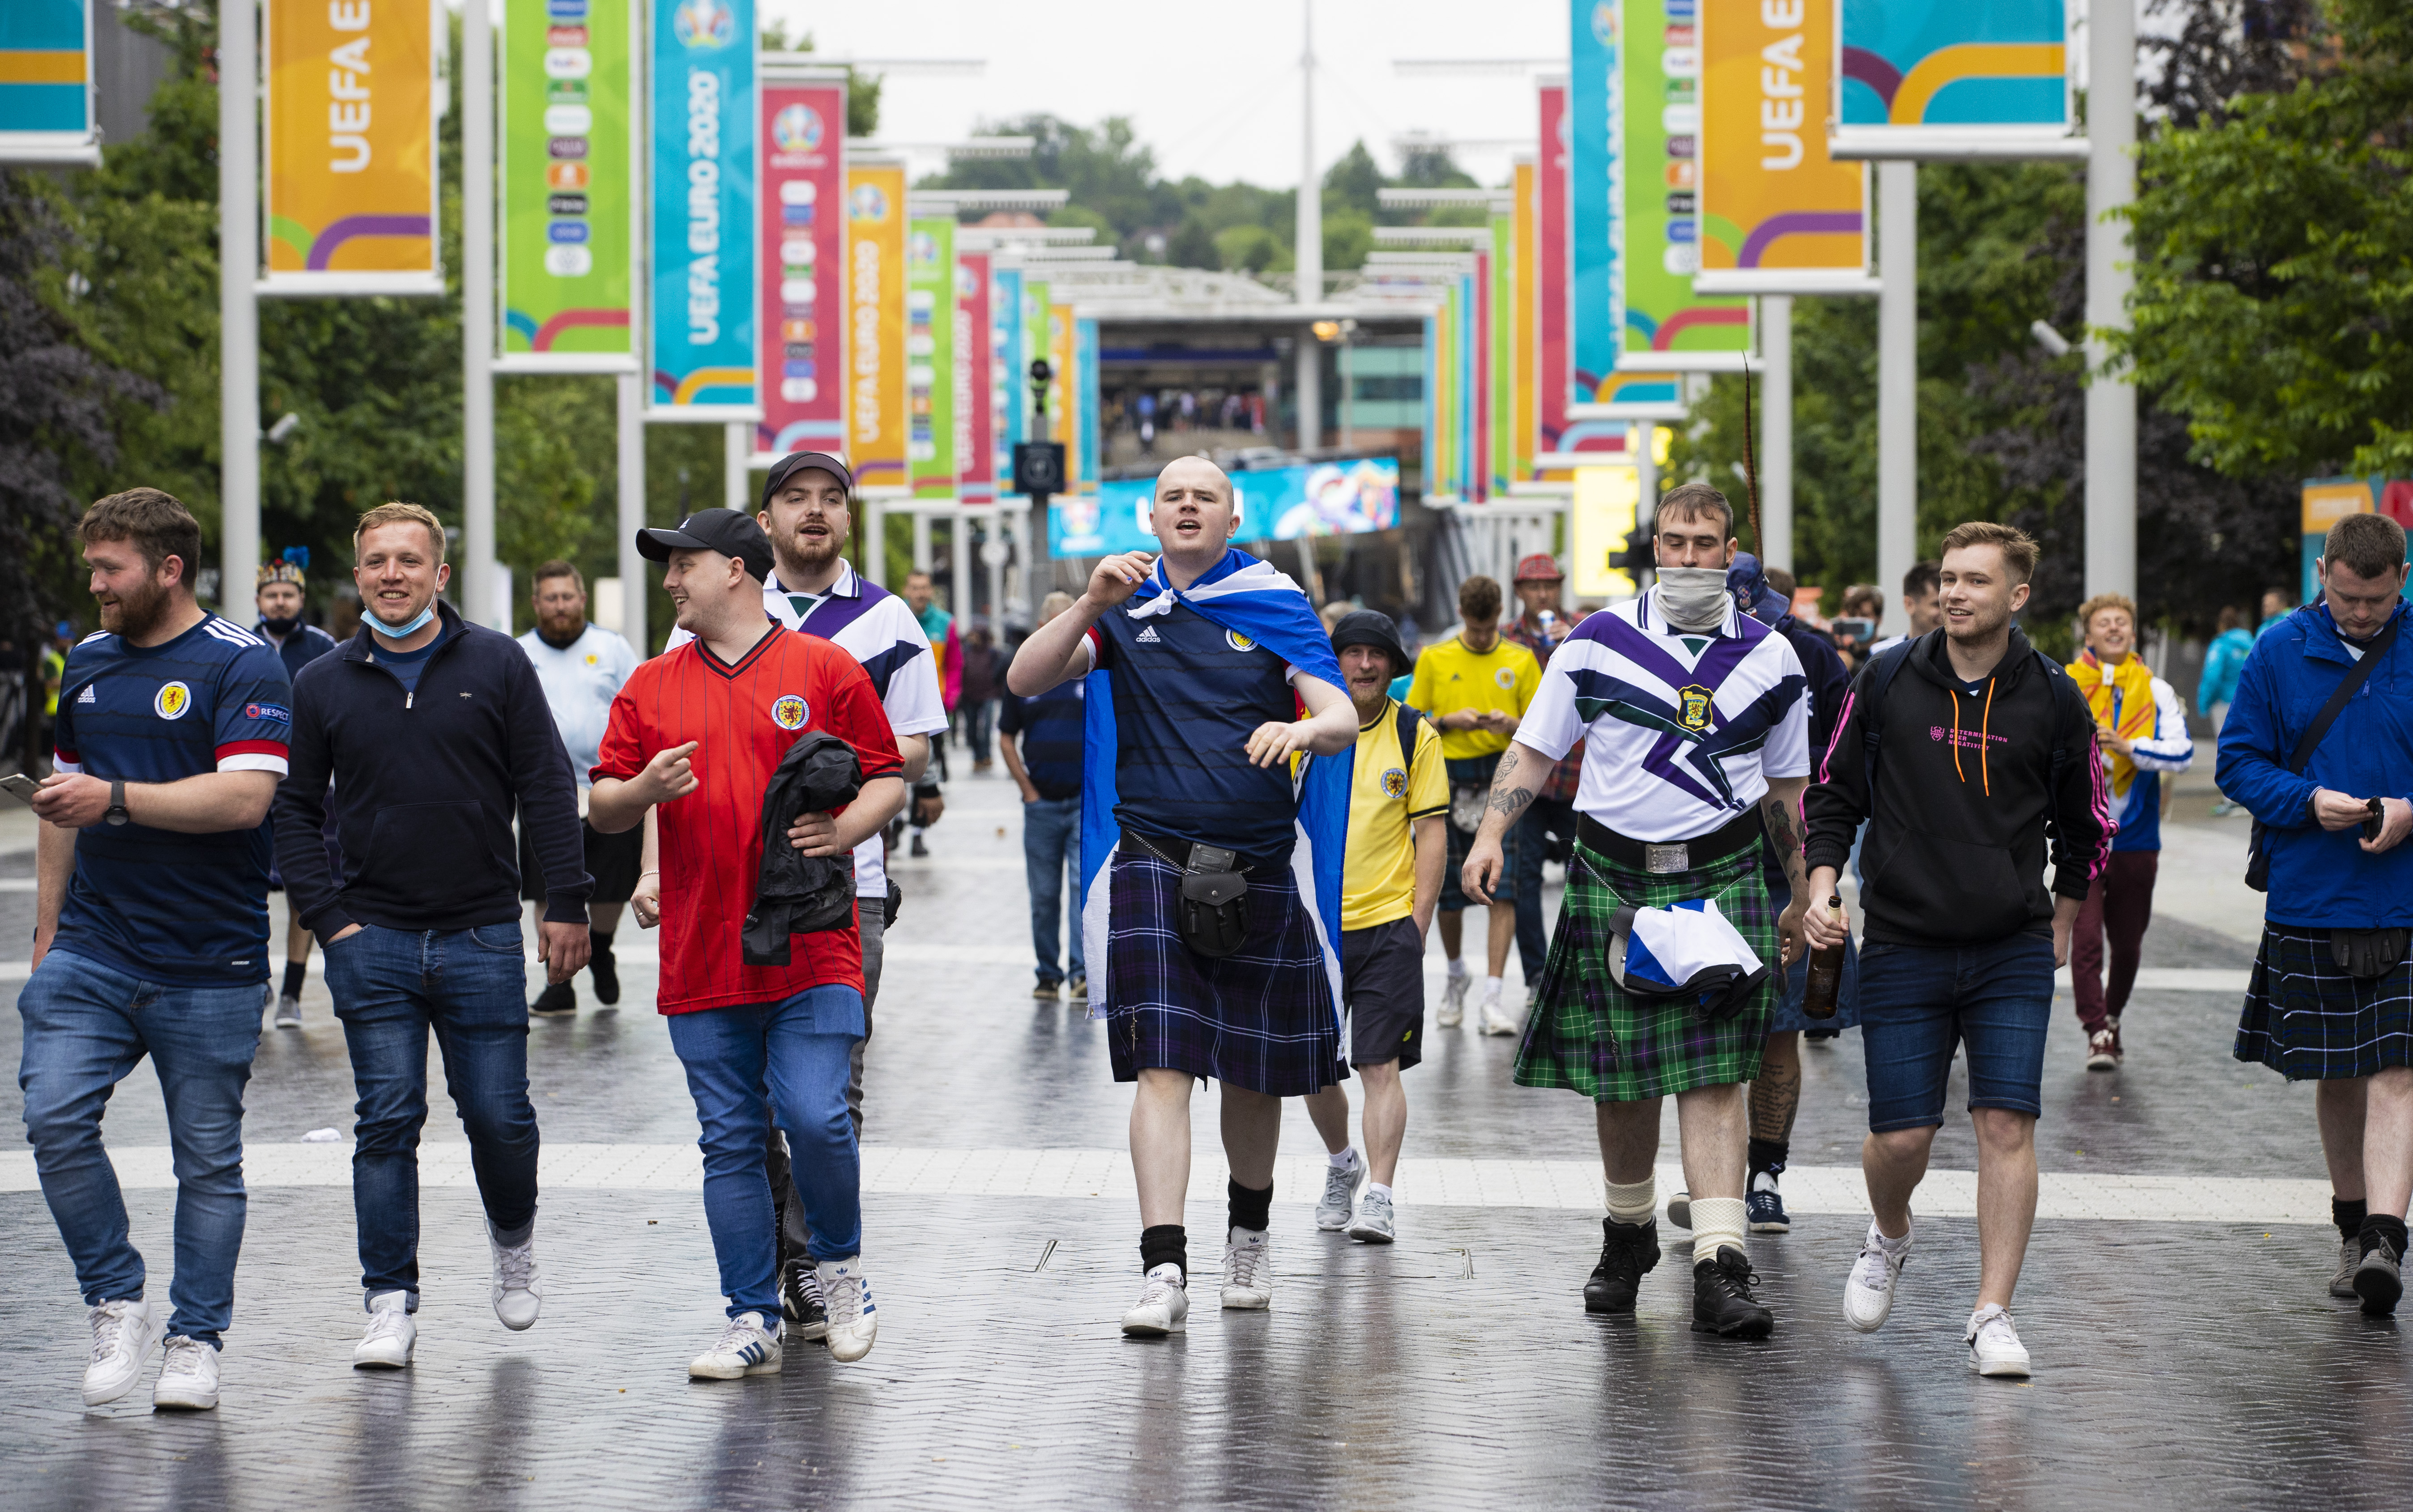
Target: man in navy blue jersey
x=297, y=643
x=151, y=933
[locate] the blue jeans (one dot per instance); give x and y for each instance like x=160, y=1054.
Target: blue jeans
x=86, y=1026
x=1051, y=848
x=391, y=987
x=801, y=1050
x=1917, y=1001
x=1545, y=817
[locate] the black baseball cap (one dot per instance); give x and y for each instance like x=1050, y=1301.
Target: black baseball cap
x=726, y=531
x=797, y=461
x=1366, y=627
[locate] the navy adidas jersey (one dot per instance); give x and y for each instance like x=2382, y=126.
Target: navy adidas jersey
x=1188, y=694
x=155, y=903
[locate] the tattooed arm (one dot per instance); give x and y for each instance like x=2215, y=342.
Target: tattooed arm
x=1521, y=772
x=1781, y=810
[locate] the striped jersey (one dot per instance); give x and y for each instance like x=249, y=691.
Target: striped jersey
x=745, y=716
x=1680, y=730
x=873, y=626
x=155, y=903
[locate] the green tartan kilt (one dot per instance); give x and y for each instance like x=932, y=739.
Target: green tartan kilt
x=1589, y=1035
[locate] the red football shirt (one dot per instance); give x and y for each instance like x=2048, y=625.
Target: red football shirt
x=745, y=716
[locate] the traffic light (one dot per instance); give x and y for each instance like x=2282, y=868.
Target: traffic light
x=1038, y=469
x=1633, y=558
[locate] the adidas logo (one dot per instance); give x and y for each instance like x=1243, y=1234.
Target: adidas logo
x=87, y=696
x=1149, y=637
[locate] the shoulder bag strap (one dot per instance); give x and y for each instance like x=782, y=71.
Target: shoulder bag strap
x=2336, y=706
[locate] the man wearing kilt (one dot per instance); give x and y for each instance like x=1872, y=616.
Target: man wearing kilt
x=1695, y=740
x=2330, y=1000
x=1211, y=909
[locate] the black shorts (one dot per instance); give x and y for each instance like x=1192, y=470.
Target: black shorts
x=1479, y=770
x=1383, y=981
x=613, y=860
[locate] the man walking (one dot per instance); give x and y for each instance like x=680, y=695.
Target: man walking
x=1541, y=628
x=1474, y=686
x=1695, y=743
x=1397, y=803
x=278, y=596
x=1920, y=604
x=1972, y=757
x=2142, y=733
x=2224, y=662
x=703, y=732
x=434, y=731
x=151, y=934
x=1201, y=848
x=581, y=667
x=947, y=649
x=2318, y=745
x=1047, y=768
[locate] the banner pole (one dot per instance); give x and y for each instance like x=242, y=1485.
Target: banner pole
x=480, y=594
x=238, y=308
x=633, y=580
x=736, y=448
x=1897, y=384
x=1776, y=429
x=2110, y=401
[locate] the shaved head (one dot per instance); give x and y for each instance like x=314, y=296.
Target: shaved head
x=1193, y=469
x=1194, y=513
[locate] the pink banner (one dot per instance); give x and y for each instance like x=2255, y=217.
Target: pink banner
x=1550, y=268
x=1480, y=480
x=804, y=220
x=975, y=443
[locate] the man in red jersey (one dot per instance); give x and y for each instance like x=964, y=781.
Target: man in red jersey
x=699, y=731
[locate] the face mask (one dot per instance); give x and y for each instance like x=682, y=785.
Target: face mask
x=1694, y=598
x=403, y=632
x=282, y=626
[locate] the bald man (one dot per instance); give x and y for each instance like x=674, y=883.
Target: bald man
x=1207, y=654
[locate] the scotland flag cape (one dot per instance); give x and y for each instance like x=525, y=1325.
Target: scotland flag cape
x=1242, y=594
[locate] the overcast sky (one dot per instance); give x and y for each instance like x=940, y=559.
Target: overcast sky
x=1212, y=87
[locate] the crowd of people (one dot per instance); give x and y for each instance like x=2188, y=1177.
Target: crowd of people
x=1244, y=818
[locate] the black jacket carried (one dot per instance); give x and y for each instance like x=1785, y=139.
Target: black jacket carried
x=1972, y=793
x=798, y=894
x=425, y=783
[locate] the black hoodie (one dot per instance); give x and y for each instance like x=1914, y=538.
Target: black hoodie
x=1972, y=790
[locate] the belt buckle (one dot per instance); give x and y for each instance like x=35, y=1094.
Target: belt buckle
x=1659, y=860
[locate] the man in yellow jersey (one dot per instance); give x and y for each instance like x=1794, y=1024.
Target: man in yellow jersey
x=1474, y=687
x=1398, y=808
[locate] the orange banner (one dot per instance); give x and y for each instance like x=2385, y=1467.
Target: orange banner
x=875, y=324
x=1772, y=202
x=350, y=124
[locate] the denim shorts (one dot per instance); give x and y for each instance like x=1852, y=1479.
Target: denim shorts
x=1917, y=1002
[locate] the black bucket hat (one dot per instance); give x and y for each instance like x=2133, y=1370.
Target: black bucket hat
x=1365, y=627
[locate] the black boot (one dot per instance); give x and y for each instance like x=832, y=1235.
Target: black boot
x=1626, y=1250
x=558, y=1001
x=1721, y=1299
x=605, y=970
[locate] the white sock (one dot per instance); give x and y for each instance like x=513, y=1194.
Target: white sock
x=1169, y=1272
x=1718, y=1224
x=1889, y=1246
x=1491, y=991
x=1237, y=1235
x=1634, y=1204
x=1376, y=1189
x=1345, y=1161
x=1456, y=967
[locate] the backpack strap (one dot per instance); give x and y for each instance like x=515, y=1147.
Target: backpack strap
x=1879, y=677
x=1409, y=719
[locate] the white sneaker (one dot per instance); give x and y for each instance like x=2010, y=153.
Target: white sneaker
x=391, y=1335
x=853, y=1322
x=188, y=1377
x=519, y=1296
x=1994, y=1347
x=1495, y=1021
x=1453, y=999
x=1249, y=1269
x=750, y=1345
x=1163, y=1306
x=1341, y=1196
x=289, y=1011
x=124, y=1334
x=1868, y=1296
x=1376, y=1220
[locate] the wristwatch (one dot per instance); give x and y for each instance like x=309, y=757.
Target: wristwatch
x=117, y=814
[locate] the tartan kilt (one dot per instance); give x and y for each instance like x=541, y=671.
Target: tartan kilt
x=1260, y=1019
x=1589, y=1035
x=2309, y=1021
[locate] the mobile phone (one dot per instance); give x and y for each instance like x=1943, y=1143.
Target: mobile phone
x=2374, y=818
x=21, y=787
x=1854, y=631
x=1211, y=858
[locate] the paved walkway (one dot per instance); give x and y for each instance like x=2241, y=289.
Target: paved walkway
x=2173, y=1297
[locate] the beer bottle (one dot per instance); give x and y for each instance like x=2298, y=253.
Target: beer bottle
x=1826, y=976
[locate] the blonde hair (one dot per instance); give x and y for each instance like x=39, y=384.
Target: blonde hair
x=2092, y=607
x=396, y=513
x=2018, y=548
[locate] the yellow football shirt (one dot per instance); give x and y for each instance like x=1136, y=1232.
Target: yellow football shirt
x=1450, y=677
x=1388, y=794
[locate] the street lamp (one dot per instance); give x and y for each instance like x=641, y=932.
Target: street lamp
x=1342, y=331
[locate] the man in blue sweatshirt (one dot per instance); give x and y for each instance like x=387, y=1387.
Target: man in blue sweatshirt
x=433, y=730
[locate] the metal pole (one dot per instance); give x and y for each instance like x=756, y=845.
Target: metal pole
x=634, y=580
x=921, y=539
x=959, y=564
x=1310, y=390
x=1308, y=257
x=1897, y=384
x=238, y=310
x=479, y=599
x=1644, y=438
x=1348, y=395
x=736, y=449
x=2110, y=402
x=1776, y=430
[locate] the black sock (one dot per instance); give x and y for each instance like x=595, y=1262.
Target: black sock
x=1768, y=1155
x=294, y=972
x=1166, y=1244
x=1251, y=1208
x=2380, y=1227
x=602, y=939
x=2347, y=1216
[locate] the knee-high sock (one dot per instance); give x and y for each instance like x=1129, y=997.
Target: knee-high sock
x=1634, y=1204
x=1717, y=1225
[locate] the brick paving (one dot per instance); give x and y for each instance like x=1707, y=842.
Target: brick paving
x=2177, y=1362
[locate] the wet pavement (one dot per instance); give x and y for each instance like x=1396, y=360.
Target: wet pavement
x=2191, y=1355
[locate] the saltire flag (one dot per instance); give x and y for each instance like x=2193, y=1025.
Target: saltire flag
x=1250, y=598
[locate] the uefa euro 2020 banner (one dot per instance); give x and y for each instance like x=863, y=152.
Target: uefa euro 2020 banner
x=566, y=92
x=349, y=123
x=1953, y=79
x=46, y=102
x=930, y=355
x=702, y=313
x=1663, y=325
x=1318, y=498
x=875, y=316
x=1778, y=215
x=804, y=259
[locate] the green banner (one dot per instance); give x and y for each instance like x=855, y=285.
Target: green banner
x=930, y=356
x=1035, y=346
x=563, y=88
x=1657, y=115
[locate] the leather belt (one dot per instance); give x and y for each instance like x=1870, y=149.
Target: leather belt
x=1662, y=857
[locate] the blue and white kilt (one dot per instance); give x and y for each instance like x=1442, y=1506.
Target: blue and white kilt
x=2309, y=1021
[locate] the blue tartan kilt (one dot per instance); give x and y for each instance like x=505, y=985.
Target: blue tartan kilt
x=1261, y=1020
x=2309, y=1021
